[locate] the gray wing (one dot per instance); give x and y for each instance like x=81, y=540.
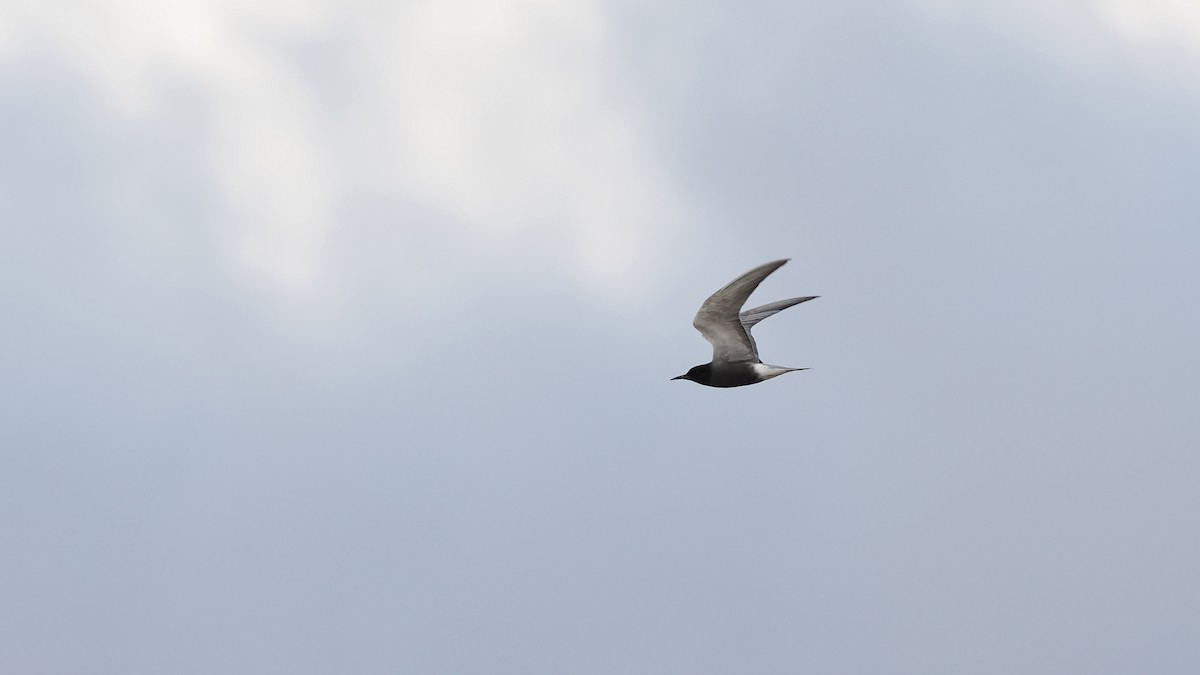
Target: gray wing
x=751, y=317
x=718, y=319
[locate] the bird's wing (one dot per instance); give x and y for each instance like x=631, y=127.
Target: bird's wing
x=718, y=319
x=751, y=317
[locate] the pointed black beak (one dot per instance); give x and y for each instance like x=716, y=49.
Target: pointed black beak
x=680, y=377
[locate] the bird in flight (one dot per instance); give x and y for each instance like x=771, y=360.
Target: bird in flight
x=735, y=361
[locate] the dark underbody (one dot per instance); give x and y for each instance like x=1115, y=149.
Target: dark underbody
x=724, y=375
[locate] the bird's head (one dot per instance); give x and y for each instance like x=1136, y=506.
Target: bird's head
x=696, y=374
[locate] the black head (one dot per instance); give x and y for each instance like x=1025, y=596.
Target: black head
x=700, y=374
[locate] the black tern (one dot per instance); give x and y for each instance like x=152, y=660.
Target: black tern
x=735, y=361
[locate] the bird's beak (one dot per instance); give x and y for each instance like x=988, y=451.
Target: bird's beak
x=681, y=377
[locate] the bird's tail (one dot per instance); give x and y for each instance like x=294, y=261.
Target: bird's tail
x=766, y=371
x=751, y=317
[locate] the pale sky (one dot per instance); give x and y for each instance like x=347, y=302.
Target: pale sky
x=339, y=337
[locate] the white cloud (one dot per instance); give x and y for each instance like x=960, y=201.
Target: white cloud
x=1148, y=22
x=513, y=116
x=1078, y=29
x=504, y=117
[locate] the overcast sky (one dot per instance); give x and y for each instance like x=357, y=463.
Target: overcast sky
x=337, y=337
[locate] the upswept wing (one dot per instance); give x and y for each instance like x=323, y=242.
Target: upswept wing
x=751, y=317
x=718, y=320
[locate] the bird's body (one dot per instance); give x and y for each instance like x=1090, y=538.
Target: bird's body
x=735, y=361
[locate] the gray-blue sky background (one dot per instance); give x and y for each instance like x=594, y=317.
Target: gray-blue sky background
x=338, y=337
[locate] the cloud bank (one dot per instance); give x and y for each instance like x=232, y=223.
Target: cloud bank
x=501, y=121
